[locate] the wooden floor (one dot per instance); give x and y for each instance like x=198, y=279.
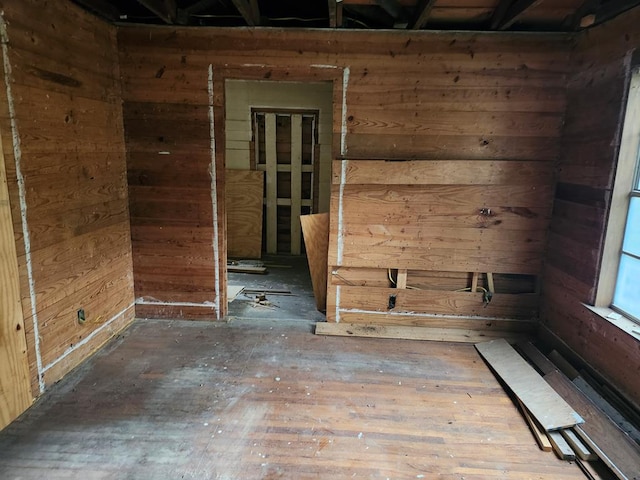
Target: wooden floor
x=267, y=400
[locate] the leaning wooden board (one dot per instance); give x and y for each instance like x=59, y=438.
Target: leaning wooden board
x=549, y=409
x=614, y=447
x=315, y=229
x=244, y=213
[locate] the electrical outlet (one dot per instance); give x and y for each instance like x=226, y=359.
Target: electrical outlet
x=392, y=302
x=81, y=316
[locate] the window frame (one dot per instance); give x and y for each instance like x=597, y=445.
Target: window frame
x=624, y=188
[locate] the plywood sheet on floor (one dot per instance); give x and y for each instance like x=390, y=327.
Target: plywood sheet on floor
x=233, y=291
x=175, y=399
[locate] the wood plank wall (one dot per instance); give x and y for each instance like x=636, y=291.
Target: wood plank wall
x=591, y=140
x=62, y=133
x=467, y=106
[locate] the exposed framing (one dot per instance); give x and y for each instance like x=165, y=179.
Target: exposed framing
x=295, y=167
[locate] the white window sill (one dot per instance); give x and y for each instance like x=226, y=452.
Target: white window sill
x=623, y=323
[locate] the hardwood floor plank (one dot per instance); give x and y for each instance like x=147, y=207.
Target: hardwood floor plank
x=267, y=399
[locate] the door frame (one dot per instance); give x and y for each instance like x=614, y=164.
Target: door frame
x=337, y=75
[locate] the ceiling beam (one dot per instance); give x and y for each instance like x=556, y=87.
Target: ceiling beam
x=249, y=10
x=614, y=8
x=422, y=14
x=396, y=11
x=101, y=7
x=165, y=9
x=572, y=22
x=335, y=13
x=508, y=11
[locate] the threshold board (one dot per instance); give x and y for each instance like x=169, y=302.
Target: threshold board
x=412, y=332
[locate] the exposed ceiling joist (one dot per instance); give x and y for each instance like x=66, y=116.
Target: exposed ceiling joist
x=396, y=11
x=366, y=14
x=102, y=8
x=335, y=13
x=572, y=22
x=508, y=12
x=422, y=13
x=200, y=6
x=613, y=8
x=165, y=9
x=249, y=10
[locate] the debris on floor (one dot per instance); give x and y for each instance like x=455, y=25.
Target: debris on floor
x=601, y=448
x=233, y=291
x=246, y=266
x=270, y=291
x=262, y=301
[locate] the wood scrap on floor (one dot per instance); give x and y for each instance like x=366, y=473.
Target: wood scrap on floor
x=611, y=444
x=547, y=407
x=603, y=450
x=261, y=300
x=461, y=335
x=270, y=291
x=246, y=266
x=233, y=291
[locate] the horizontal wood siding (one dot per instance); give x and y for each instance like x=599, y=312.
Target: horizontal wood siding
x=168, y=151
x=591, y=141
x=64, y=130
x=480, y=115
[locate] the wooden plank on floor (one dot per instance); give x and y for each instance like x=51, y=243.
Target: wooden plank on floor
x=563, y=365
x=315, y=229
x=561, y=447
x=246, y=269
x=272, y=181
x=296, y=181
x=577, y=445
x=409, y=332
x=548, y=408
x=535, y=356
x=541, y=437
x=611, y=444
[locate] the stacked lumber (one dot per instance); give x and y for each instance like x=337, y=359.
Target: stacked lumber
x=561, y=417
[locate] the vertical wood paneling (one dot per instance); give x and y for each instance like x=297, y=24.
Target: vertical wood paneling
x=64, y=132
x=589, y=153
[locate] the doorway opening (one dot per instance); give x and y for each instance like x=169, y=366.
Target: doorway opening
x=278, y=138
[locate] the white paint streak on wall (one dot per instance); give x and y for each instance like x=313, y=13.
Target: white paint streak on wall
x=214, y=192
x=343, y=133
x=338, y=310
x=88, y=338
x=343, y=180
x=143, y=301
x=17, y=154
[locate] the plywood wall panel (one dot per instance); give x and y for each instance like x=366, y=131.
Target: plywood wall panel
x=64, y=90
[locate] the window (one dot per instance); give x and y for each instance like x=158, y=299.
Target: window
x=626, y=296
x=619, y=280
